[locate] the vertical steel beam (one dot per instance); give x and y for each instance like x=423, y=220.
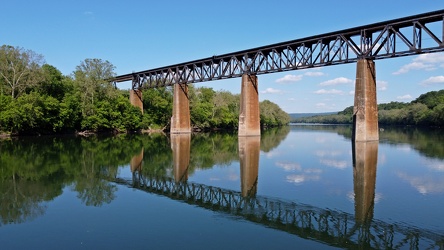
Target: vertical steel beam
x=365, y=111
x=249, y=116
x=180, y=121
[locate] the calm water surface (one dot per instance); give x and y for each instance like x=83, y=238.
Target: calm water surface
x=300, y=187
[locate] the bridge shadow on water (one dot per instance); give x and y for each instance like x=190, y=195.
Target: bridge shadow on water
x=333, y=228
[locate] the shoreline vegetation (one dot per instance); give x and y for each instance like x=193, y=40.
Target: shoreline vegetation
x=37, y=99
x=427, y=110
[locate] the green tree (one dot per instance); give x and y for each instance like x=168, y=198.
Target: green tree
x=157, y=105
x=431, y=99
x=225, y=110
x=31, y=113
x=54, y=83
x=201, y=106
x=20, y=69
x=90, y=78
x=272, y=115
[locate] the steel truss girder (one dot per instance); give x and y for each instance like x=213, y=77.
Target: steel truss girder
x=412, y=35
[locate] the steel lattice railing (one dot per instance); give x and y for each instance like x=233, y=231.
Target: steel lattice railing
x=406, y=36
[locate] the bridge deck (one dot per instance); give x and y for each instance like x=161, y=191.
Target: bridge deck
x=399, y=37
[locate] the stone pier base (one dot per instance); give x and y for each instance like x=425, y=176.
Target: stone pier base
x=249, y=116
x=136, y=98
x=365, y=111
x=180, y=121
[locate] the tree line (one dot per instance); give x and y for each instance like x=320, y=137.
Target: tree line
x=36, y=98
x=426, y=110
x=37, y=169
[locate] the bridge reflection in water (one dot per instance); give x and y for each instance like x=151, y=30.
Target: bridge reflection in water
x=333, y=228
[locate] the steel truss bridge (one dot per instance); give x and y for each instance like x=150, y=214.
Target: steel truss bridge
x=423, y=33
x=326, y=226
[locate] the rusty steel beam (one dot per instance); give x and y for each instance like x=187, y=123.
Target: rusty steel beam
x=423, y=33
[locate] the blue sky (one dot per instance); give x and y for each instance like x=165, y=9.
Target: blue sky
x=140, y=35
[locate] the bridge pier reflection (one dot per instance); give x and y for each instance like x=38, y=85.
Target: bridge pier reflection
x=365, y=158
x=334, y=228
x=249, y=150
x=181, y=145
x=136, y=162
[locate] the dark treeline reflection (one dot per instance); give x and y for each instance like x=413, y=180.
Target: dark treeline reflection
x=34, y=170
x=427, y=141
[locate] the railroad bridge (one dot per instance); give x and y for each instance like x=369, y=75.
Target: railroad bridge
x=422, y=33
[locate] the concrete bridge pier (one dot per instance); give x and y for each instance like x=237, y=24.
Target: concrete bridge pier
x=136, y=98
x=365, y=111
x=181, y=145
x=365, y=159
x=249, y=150
x=249, y=116
x=180, y=121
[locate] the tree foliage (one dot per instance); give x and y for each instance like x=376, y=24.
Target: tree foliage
x=20, y=69
x=220, y=109
x=426, y=110
x=54, y=103
x=36, y=98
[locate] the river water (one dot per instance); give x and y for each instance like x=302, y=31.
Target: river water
x=300, y=187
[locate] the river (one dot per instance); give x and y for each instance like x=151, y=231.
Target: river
x=301, y=186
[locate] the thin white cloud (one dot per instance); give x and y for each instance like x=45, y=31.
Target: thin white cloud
x=272, y=154
x=88, y=13
x=336, y=81
x=424, y=184
x=433, y=80
x=381, y=85
x=330, y=91
x=334, y=163
x=289, y=78
x=404, y=97
x=324, y=106
x=434, y=165
x=323, y=153
x=233, y=177
x=423, y=62
x=287, y=166
x=414, y=66
x=430, y=58
x=272, y=91
x=297, y=179
x=314, y=73
x=313, y=171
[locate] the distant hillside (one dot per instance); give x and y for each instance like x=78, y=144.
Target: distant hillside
x=304, y=115
x=426, y=110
